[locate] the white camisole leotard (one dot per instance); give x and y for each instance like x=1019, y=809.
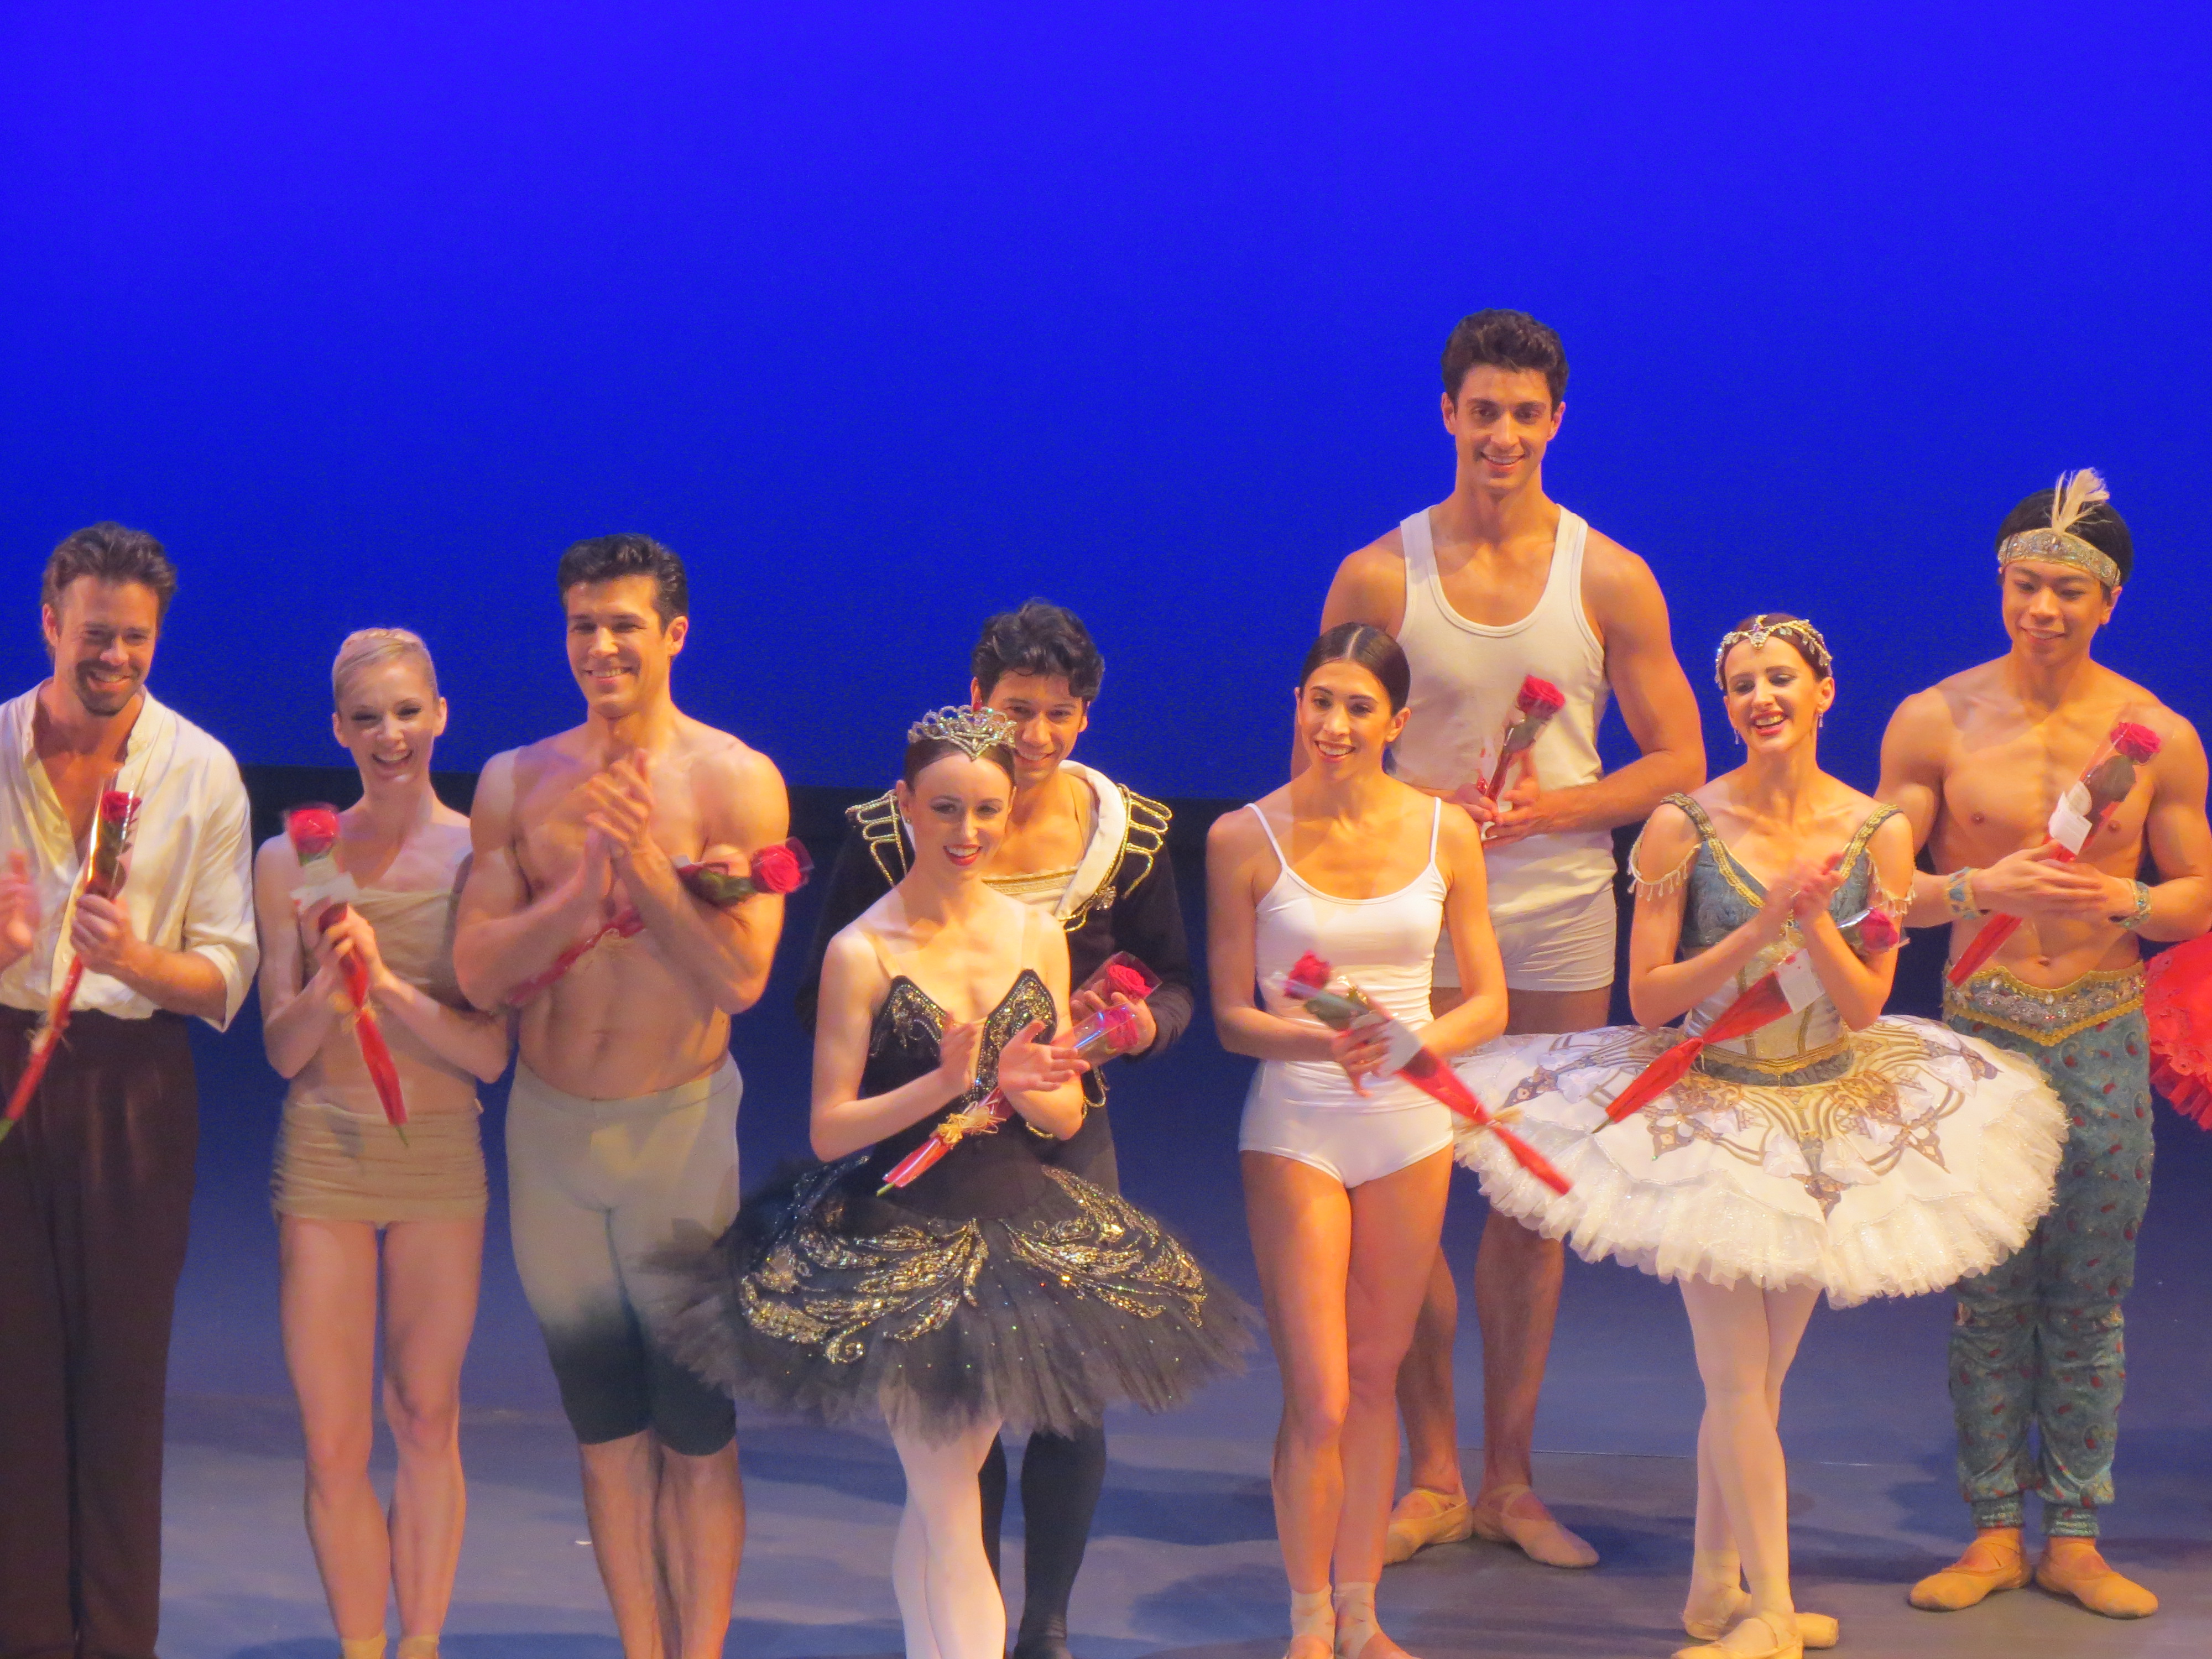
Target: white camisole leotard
x=1309, y=1109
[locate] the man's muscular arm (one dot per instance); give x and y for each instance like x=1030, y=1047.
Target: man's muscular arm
x=1913, y=749
x=2178, y=838
x=1655, y=701
x=501, y=937
x=744, y=808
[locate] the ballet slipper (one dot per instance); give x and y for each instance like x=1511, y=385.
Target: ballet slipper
x=1358, y=1635
x=418, y=1647
x=361, y=1647
x=1814, y=1630
x=2072, y=1567
x=1993, y=1562
x=1537, y=1536
x=1426, y=1516
x=1737, y=1643
x=1313, y=1626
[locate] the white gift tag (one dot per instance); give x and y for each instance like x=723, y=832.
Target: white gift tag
x=1801, y=985
x=2069, y=824
x=323, y=892
x=1400, y=1042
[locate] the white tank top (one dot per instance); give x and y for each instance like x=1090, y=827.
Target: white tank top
x=1466, y=678
x=1384, y=945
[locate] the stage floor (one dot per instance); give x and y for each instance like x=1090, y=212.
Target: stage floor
x=1183, y=1561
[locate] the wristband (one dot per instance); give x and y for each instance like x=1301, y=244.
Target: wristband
x=2141, y=914
x=1958, y=894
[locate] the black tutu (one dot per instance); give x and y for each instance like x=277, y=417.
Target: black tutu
x=825, y=1301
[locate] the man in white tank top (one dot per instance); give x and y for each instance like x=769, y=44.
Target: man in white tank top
x=1494, y=584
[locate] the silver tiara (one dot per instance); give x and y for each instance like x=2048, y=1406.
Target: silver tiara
x=971, y=730
x=1799, y=632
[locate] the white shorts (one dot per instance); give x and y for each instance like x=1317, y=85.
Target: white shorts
x=1567, y=947
x=1353, y=1143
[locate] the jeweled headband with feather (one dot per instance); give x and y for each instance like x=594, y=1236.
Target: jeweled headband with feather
x=974, y=731
x=1796, y=629
x=2070, y=501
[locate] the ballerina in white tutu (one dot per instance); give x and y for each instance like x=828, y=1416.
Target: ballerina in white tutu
x=1832, y=1150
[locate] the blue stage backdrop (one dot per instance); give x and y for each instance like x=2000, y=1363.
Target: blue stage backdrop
x=888, y=315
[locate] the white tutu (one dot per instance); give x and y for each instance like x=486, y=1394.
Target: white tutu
x=1929, y=1159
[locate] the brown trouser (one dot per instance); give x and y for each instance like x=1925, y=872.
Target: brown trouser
x=96, y=1196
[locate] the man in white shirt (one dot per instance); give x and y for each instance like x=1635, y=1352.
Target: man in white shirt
x=96, y=1179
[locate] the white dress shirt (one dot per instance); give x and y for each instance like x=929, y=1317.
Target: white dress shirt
x=189, y=885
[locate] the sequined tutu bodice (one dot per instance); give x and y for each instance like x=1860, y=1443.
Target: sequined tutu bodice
x=1891, y=1161
x=995, y=1285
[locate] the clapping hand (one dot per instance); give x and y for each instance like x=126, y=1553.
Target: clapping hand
x=957, y=1051
x=2037, y=883
x=1027, y=1066
x=18, y=911
x=618, y=806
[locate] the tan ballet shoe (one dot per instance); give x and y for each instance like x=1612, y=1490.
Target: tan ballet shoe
x=1991, y=1563
x=1814, y=1630
x=2084, y=1575
x=1422, y=1517
x=1539, y=1537
x=1792, y=1647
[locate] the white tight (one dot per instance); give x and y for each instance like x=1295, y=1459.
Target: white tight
x=1746, y=1339
x=947, y=1598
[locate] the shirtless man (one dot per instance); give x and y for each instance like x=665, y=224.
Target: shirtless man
x=1496, y=582
x=1977, y=763
x=622, y=1127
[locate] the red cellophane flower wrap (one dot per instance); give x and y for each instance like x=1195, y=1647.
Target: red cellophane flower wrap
x=322, y=894
x=104, y=871
x=782, y=868
x=2081, y=812
x=1307, y=981
x=1761, y=1003
x=1538, y=701
x=1112, y=1031
x=2178, y=1008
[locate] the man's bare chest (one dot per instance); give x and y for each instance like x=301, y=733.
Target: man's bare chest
x=2000, y=797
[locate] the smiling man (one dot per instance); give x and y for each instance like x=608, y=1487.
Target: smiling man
x=96, y=1180
x=622, y=1127
x=1496, y=583
x=1978, y=763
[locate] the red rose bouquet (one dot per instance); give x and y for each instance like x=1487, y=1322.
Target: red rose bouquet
x=323, y=893
x=782, y=868
x=1409, y=1057
x=1112, y=1031
x=1539, y=701
x=104, y=871
x=2081, y=812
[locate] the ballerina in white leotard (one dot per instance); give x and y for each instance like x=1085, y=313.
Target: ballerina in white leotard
x=1345, y=1169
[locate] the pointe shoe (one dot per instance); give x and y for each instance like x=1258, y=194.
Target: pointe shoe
x=2088, y=1580
x=1990, y=1563
x=1539, y=1537
x=1422, y=1517
x=1814, y=1630
x=1791, y=1647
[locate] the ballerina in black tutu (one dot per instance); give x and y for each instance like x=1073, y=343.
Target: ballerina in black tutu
x=994, y=1289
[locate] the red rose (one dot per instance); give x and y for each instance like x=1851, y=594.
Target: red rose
x=782, y=868
x=1308, y=975
x=1540, y=697
x=1120, y=976
x=313, y=830
x=2137, y=743
x=118, y=807
x=1880, y=931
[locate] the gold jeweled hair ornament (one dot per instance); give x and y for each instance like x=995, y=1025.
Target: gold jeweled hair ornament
x=2074, y=493
x=974, y=731
x=1799, y=632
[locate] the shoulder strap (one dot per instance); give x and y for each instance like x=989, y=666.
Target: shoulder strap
x=1436, y=824
x=1268, y=830
x=1661, y=885
x=884, y=957
x=1420, y=550
x=878, y=823
x=1865, y=833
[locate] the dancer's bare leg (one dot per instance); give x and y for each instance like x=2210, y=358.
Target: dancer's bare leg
x=1744, y=1338
x=622, y=1486
x=666, y=1528
x=1340, y=1275
x=431, y=1271
x=327, y=1307
x=948, y=1599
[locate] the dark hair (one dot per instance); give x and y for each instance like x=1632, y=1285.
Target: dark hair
x=108, y=552
x=1819, y=662
x=1372, y=649
x=924, y=753
x=609, y=558
x=1504, y=339
x=2100, y=527
x=1049, y=640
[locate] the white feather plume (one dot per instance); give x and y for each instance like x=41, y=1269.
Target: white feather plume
x=2076, y=494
